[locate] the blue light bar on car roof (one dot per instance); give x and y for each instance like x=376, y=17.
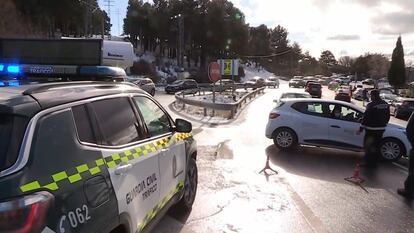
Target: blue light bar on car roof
x=13, y=69
x=1, y=67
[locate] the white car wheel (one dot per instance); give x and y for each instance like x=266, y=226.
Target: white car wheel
x=391, y=150
x=285, y=139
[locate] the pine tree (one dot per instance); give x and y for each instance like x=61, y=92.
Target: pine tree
x=396, y=74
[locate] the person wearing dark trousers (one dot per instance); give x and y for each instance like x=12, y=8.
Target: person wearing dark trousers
x=408, y=190
x=376, y=117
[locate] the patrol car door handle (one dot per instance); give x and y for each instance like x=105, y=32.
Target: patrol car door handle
x=123, y=169
x=335, y=126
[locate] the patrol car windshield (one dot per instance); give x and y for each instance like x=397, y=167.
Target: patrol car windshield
x=11, y=134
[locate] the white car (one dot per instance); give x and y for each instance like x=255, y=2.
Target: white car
x=292, y=94
x=312, y=122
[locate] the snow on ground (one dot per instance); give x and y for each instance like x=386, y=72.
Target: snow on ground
x=251, y=72
x=147, y=56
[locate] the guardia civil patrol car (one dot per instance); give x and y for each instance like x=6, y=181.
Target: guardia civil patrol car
x=87, y=156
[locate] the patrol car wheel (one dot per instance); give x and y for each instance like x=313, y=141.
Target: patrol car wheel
x=285, y=139
x=190, y=187
x=391, y=150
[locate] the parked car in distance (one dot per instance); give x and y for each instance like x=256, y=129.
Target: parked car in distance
x=346, y=81
x=313, y=122
x=260, y=82
x=145, y=84
x=358, y=94
x=343, y=93
x=254, y=83
x=368, y=81
x=272, y=82
x=326, y=80
x=388, y=95
x=292, y=94
x=314, y=89
x=181, y=85
x=333, y=85
x=402, y=107
x=297, y=83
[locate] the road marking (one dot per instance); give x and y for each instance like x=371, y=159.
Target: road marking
x=402, y=168
x=313, y=221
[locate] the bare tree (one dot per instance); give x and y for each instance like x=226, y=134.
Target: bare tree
x=346, y=61
x=378, y=66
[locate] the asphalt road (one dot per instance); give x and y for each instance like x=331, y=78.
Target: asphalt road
x=309, y=194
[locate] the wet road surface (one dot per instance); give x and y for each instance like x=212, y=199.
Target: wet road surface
x=308, y=195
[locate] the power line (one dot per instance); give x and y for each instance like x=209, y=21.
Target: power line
x=267, y=56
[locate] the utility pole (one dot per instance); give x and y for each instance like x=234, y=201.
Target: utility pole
x=181, y=40
x=117, y=14
x=87, y=17
x=108, y=5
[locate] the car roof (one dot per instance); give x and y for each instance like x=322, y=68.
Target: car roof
x=28, y=99
x=307, y=100
x=293, y=92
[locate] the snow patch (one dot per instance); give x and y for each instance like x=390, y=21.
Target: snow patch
x=251, y=72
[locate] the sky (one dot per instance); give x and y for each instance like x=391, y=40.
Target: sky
x=346, y=27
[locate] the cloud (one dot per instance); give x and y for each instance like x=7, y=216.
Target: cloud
x=394, y=23
x=344, y=37
x=410, y=53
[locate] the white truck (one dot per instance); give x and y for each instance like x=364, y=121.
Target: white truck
x=118, y=53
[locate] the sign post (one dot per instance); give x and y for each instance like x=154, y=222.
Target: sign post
x=214, y=74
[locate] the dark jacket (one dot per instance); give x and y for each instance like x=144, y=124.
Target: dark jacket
x=410, y=129
x=376, y=115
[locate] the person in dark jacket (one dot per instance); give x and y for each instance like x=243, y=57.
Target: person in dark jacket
x=376, y=117
x=408, y=190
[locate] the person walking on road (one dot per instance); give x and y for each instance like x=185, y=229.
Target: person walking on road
x=408, y=190
x=376, y=117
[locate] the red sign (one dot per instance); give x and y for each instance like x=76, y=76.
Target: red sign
x=214, y=71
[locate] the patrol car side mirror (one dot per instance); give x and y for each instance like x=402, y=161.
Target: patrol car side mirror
x=183, y=126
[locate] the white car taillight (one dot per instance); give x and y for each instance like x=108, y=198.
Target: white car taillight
x=273, y=115
x=25, y=214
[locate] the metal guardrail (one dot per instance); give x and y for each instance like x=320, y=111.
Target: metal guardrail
x=232, y=107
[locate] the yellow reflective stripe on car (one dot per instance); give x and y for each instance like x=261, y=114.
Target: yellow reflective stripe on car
x=60, y=176
x=110, y=162
x=152, y=213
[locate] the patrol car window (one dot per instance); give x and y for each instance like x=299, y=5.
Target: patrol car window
x=344, y=113
x=117, y=121
x=83, y=124
x=315, y=109
x=156, y=120
x=12, y=129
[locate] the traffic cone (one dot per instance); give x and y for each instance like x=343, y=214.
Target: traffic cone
x=356, y=178
x=267, y=166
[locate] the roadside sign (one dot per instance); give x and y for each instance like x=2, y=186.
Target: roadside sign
x=229, y=67
x=214, y=71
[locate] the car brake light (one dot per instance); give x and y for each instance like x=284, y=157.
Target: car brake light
x=273, y=115
x=25, y=214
